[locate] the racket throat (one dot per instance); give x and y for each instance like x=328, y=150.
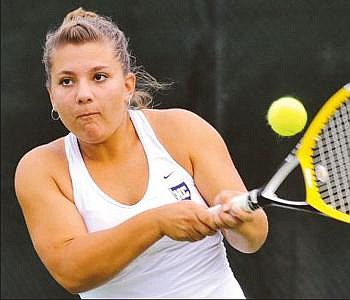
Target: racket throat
x=251, y=200
x=247, y=201
x=255, y=199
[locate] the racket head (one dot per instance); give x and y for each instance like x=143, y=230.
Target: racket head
x=328, y=187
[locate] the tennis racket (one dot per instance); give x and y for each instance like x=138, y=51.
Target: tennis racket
x=323, y=153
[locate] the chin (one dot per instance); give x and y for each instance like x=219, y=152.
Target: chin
x=92, y=139
x=92, y=134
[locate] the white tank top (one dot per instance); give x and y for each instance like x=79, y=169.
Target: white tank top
x=169, y=268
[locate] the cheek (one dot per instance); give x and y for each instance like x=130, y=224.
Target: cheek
x=113, y=101
x=113, y=112
x=60, y=99
x=65, y=109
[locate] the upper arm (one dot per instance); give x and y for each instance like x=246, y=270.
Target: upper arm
x=51, y=218
x=213, y=167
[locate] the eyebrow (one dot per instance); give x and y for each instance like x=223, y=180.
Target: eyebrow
x=94, y=69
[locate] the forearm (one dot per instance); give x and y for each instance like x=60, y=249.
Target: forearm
x=90, y=260
x=248, y=237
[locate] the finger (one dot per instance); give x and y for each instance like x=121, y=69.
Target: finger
x=223, y=197
x=205, y=229
x=207, y=218
x=227, y=206
x=230, y=220
x=226, y=220
x=241, y=214
x=195, y=235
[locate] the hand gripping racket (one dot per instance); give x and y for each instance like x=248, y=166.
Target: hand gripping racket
x=323, y=154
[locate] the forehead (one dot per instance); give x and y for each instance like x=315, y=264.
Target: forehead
x=83, y=56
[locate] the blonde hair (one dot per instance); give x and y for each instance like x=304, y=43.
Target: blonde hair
x=81, y=26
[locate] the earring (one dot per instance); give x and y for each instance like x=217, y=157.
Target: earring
x=54, y=115
x=129, y=101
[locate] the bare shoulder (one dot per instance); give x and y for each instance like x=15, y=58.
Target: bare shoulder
x=45, y=162
x=171, y=114
x=180, y=122
x=43, y=156
x=184, y=134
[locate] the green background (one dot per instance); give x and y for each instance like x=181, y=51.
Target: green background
x=228, y=61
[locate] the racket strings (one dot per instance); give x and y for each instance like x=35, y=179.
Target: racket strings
x=332, y=160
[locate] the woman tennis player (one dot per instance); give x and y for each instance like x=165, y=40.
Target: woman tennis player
x=118, y=208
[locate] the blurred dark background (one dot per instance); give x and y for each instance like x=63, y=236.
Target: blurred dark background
x=228, y=60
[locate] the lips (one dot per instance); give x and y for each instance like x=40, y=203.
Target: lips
x=86, y=114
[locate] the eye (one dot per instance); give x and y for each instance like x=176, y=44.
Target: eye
x=100, y=77
x=66, y=81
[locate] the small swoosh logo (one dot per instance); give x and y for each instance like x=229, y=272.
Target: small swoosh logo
x=167, y=176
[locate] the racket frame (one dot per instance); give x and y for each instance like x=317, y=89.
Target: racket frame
x=305, y=151
x=300, y=155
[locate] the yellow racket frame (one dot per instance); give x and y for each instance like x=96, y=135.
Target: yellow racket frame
x=304, y=154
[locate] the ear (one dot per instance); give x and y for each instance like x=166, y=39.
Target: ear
x=130, y=84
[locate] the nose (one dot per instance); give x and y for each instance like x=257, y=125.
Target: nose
x=84, y=93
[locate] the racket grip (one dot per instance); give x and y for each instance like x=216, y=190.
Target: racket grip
x=242, y=201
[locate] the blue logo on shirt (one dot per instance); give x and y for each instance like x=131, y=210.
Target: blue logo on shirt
x=181, y=191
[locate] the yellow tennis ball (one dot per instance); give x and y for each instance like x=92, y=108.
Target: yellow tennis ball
x=287, y=116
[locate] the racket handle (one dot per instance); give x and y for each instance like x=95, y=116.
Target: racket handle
x=246, y=201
